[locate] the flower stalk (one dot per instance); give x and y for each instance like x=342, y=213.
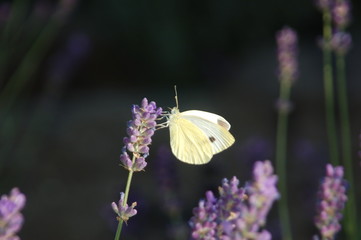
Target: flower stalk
x=341, y=43
x=325, y=7
x=140, y=130
x=287, y=52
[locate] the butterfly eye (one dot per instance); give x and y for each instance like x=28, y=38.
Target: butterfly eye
x=212, y=139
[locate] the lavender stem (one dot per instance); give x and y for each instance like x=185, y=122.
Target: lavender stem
x=328, y=87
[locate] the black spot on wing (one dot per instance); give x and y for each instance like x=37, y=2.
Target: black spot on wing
x=212, y=139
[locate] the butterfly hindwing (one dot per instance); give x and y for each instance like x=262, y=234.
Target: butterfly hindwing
x=214, y=126
x=188, y=142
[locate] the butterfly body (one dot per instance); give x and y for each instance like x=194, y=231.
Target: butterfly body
x=195, y=136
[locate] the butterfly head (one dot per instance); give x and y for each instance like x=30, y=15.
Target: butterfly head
x=174, y=111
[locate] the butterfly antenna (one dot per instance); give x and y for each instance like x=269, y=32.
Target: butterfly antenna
x=176, y=95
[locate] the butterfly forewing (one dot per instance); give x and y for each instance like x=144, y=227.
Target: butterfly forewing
x=189, y=144
x=214, y=126
x=211, y=117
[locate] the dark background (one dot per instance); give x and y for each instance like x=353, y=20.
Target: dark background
x=71, y=70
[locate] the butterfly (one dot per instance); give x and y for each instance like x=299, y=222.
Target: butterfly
x=195, y=136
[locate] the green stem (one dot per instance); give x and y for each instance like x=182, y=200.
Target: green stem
x=281, y=151
x=351, y=211
x=126, y=194
x=328, y=89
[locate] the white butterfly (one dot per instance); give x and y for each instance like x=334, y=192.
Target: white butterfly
x=195, y=136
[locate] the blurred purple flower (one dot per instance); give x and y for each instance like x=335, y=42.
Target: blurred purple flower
x=63, y=63
x=140, y=131
x=341, y=13
x=341, y=42
x=205, y=221
x=254, y=149
x=5, y=10
x=167, y=180
x=167, y=185
x=324, y=4
x=284, y=105
x=11, y=220
x=123, y=210
x=287, y=54
x=331, y=201
x=239, y=213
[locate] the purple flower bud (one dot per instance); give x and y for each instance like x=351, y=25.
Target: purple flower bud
x=152, y=106
x=123, y=210
x=158, y=111
x=146, y=141
x=126, y=140
x=149, y=133
x=130, y=147
x=133, y=139
x=139, y=164
x=125, y=160
x=137, y=122
x=135, y=109
x=151, y=124
x=143, y=149
x=144, y=104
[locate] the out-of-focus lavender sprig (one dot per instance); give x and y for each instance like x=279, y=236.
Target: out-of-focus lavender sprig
x=11, y=220
x=287, y=54
x=331, y=201
x=239, y=213
x=341, y=14
x=5, y=9
x=205, y=221
x=140, y=131
x=324, y=5
x=167, y=181
x=341, y=42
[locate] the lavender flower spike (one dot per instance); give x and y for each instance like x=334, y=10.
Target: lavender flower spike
x=123, y=210
x=287, y=54
x=261, y=195
x=11, y=220
x=239, y=213
x=341, y=14
x=332, y=198
x=140, y=130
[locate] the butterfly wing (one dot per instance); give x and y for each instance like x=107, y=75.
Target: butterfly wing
x=213, y=126
x=214, y=118
x=188, y=142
